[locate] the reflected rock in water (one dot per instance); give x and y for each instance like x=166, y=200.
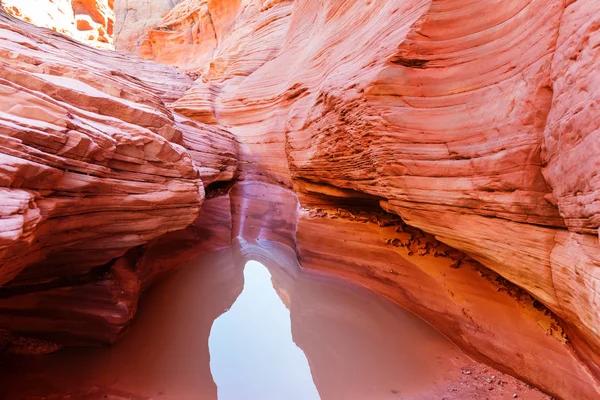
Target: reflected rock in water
x=252, y=353
x=269, y=330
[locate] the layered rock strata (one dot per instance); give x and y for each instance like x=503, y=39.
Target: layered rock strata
x=470, y=124
x=473, y=126
x=93, y=163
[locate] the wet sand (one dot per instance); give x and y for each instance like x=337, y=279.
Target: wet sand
x=214, y=329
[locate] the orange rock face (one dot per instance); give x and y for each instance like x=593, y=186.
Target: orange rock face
x=89, y=21
x=473, y=125
x=134, y=18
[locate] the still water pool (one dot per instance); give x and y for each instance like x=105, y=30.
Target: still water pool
x=228, y=328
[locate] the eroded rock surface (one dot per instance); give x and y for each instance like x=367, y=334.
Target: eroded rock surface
x=89, y=21
x=93, y=163
x=474, y=126
x=134, y=18
x=470, y=124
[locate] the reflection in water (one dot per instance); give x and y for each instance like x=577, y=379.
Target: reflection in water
x=252, y=353
x=164, y=356
x=358, y=345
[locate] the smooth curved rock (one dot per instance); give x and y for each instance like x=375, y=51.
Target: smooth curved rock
x=465, y=122
x=472, y=121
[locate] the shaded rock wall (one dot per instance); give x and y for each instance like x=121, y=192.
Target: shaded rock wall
x=93, y=163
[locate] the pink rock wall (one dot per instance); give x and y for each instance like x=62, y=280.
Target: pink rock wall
x=93, y=163
x=473, y=121
x=454, y=121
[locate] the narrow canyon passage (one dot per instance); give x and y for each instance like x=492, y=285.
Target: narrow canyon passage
x=298, y=199
x=225, y=326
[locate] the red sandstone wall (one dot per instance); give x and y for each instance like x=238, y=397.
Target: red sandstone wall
x=93, y=163
x=467, y=123
x=473, y=121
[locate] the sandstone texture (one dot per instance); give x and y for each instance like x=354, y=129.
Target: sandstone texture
x=475, y=126
x=89, y=21
x=442, y=153
x=134, y=19
x=94, y=163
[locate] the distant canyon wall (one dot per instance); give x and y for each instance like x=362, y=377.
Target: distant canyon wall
x=89, y=21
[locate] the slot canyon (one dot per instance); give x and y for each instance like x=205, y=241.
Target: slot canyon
x=299, y=199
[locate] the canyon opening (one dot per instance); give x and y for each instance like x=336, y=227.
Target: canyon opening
x=299, y=199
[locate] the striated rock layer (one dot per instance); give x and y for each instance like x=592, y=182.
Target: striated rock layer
x=445, y=151
x=92, y=164
x=472, y=121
